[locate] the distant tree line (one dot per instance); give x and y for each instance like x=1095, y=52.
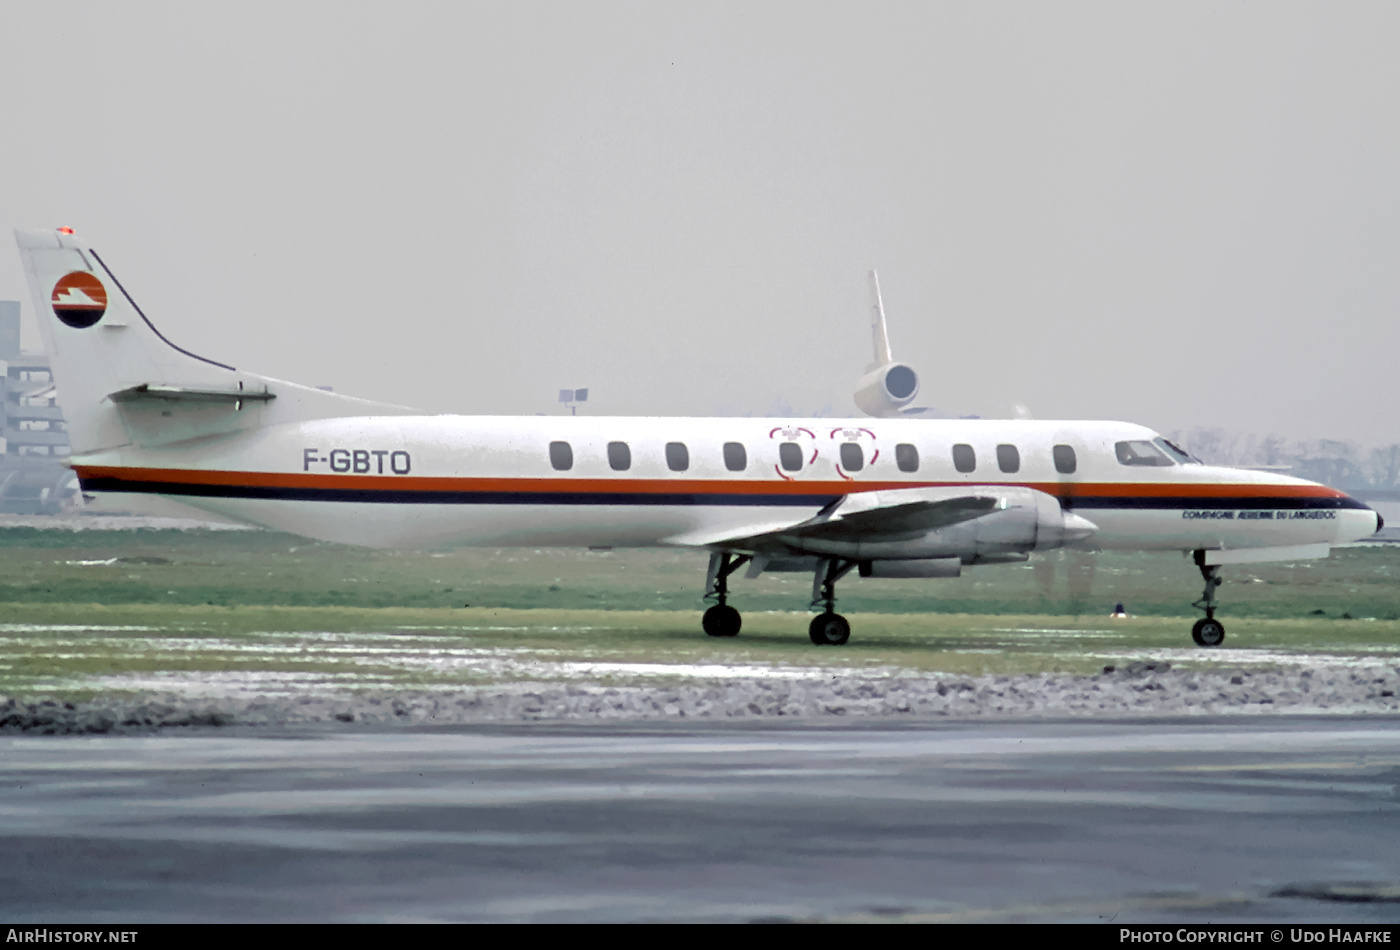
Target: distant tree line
x=1345, y=465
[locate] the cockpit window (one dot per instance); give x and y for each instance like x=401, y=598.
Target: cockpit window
x=1142, y=452
x=1182, y=456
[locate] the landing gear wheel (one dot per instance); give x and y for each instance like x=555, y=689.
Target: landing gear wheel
x=721, y=620
x=829, y=630
x=1208, y=633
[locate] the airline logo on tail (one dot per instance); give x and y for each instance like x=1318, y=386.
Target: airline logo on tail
x=79, y=299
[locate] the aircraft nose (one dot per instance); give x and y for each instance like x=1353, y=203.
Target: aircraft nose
x=1380, y=522
x=1357, y=523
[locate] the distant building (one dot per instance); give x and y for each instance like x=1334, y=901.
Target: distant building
x=34, y=478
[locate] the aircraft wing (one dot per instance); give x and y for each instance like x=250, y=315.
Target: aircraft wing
x=897, y=521
x=860, y=516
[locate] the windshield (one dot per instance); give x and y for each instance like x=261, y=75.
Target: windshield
x=1141, y=452
x=1182, y=456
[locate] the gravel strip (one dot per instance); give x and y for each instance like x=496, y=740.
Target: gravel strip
x=1136, y=690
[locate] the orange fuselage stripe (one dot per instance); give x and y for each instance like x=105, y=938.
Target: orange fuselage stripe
x=666, y=486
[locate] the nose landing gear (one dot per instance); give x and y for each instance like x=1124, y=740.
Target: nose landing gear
x=1208, y=632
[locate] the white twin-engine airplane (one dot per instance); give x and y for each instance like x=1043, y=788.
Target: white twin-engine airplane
x=896, y=495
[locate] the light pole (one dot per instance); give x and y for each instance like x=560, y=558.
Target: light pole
x=572, y=397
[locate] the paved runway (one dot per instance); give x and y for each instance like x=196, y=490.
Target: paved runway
x=1253, y=819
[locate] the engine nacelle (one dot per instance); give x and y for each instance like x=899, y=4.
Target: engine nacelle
x=1023, y=520
x=886, y=390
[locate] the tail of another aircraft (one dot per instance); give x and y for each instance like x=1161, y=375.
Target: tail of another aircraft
x=121, y=382
x=887, y=388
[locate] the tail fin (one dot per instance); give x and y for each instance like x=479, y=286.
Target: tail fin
x=887, y=388
x=122, y=382
x=877, y=326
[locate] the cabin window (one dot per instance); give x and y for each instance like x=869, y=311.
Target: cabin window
x=561, y=456
x=852, y=458
x=619, y=456
x=1008, y=458
x=964, y=459
x=736, y=458
x=1141, y=452
x=790, y=456
x=677, y=456
x=906, y=456
x=1065, y=462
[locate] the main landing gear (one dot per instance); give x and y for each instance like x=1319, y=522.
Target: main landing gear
x=828, y=628
x=1208, y=632
x=722, y=620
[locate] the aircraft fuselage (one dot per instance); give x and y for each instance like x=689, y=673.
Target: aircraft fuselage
x=643, y=481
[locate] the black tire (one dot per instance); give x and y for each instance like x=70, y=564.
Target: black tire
x=1208, y=633
x=829, y=630
x=722, y=621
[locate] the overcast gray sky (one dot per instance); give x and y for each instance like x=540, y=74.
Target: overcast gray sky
x=1177, y=214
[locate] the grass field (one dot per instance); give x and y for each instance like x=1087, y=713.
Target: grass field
x=132, y=610
x=226, y=568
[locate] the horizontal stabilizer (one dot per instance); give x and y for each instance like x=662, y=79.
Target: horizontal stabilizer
x=122, y=382
x=148, y=392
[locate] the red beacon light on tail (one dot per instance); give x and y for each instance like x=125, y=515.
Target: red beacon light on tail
x=65, y=230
